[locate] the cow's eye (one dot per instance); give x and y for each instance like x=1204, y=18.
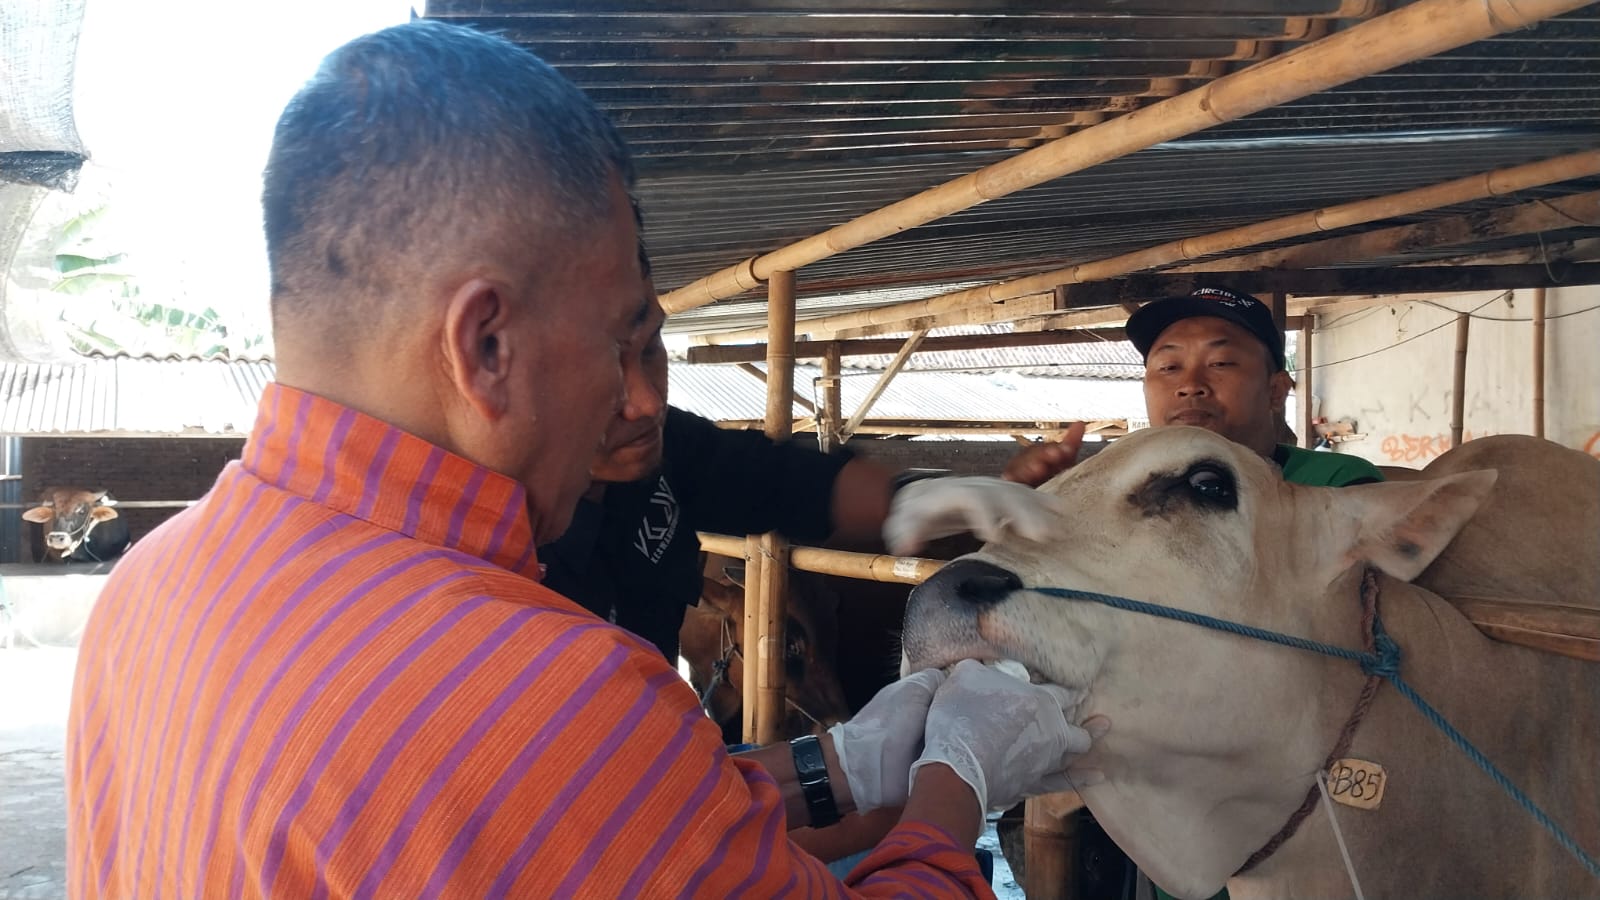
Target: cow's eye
x=1212, y=484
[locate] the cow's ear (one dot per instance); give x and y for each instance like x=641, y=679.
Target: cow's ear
x=40, y=514
x=102, y=513
x=734, y=575
x=1404, y=526
x=727, y=600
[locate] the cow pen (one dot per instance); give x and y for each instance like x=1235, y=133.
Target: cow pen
x=851, y=197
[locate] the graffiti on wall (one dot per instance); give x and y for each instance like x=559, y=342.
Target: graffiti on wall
x=1420, y=448
x=1415, y=448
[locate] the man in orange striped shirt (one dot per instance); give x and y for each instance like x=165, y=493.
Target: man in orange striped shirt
x=337, y=675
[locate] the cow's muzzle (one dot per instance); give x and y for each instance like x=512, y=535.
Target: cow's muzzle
x=972, y=581
x=59, y=540
x=942, y=617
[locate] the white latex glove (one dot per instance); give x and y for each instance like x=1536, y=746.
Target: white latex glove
x=1006, y=738
x=939, y=507
x=878, y=745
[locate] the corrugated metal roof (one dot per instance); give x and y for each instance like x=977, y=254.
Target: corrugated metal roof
x=131, y=396
x=726, y=393
x=128, y=396
x=759, y=123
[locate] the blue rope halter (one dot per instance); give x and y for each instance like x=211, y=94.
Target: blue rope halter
x=1383, y=662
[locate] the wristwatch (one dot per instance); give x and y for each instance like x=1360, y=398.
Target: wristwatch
x=812, y=770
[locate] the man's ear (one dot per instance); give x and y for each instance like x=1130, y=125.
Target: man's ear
x=1279, y=384
x=477, y=345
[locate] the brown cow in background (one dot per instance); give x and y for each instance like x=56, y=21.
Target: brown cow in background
x=79, y=525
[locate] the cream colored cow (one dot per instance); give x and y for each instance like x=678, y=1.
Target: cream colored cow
x=1216, y=739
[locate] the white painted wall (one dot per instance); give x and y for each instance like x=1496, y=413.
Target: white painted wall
x=1390, y=370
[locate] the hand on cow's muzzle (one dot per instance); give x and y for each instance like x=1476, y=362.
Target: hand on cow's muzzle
x=878, y=745
x=1007, y=739
x=927, y=510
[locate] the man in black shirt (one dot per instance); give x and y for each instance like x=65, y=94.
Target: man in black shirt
x=631, y=555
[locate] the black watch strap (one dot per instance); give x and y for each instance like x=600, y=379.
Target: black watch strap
x=812, y=770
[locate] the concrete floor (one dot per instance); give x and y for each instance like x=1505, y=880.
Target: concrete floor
x=33, y=810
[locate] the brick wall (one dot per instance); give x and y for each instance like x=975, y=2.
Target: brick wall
x=130, y=468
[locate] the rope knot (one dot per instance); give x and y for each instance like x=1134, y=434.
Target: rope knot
x=1384, y=660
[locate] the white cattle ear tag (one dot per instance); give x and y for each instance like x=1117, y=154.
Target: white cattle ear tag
x=1356, y=782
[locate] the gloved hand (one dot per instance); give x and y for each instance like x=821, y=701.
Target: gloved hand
x=1006, y=738
x=939, y=507
x=877, y=747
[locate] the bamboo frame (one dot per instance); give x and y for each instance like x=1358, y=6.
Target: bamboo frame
x=889, y=372
x=1458, y=395
x=1407, y=34
x=1448, y=193
x=1308, y=438
x=1049, y=836
x=734, y=353
x=844, y=563
x=1538, y=362
x=1525, y=218
x=755, y=372
x=771, y=596
x=832, y=399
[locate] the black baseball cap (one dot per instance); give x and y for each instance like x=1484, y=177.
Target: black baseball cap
x=1243, y=310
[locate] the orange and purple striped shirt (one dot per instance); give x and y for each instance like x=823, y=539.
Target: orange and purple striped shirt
x=337, y=676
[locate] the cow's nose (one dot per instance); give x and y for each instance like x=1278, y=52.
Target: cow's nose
x=978, y=582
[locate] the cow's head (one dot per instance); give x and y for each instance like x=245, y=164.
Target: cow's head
x=715, y=630
x=1206, y=726
x=68, y=516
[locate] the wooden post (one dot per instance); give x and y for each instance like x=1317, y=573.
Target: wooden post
x=1458, y=397
x=1538, y=362
x=764, y=654
x=895, y=365
x=1308, y=434
x=751, y=547
x=1049, y=846
x=830, y=433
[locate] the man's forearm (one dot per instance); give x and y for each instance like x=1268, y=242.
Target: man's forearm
x=861, y=496
x=939, y=796
x=778, y=760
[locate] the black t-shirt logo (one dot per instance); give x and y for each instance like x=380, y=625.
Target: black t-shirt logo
x=659, y=523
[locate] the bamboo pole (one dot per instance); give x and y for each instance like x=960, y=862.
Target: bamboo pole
x=1049, y=839
x=1413, y=32
x=889, y=372
x=773, y=584
x=846, y=564
x=832, y=399
x=1449, y=193
x=1526, y=218
x=1538, y=362
x=749, y=547
x=734, y=353
x=1303, y=389
x=755, y=372
x=1458, y=396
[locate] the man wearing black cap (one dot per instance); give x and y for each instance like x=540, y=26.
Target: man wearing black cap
x=1213, y=359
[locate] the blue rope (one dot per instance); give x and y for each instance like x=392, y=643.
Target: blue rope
x=1383, y=662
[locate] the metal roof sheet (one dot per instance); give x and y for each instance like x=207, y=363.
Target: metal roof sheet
x=132, y=397
x=138, y=396
x=726, y=393
x=759, y=123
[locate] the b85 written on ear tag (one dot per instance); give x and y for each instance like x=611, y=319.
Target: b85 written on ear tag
x=1357, y=782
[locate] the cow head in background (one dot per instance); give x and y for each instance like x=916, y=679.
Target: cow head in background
x=73, y=521
x=714, y=631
